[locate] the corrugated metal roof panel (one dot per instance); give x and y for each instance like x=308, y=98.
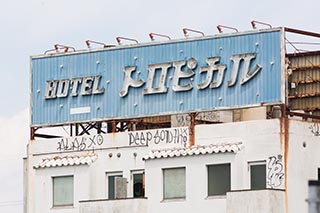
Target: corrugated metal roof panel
x=264, y=87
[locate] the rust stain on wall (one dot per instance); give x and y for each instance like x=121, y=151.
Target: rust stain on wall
x=284, y=139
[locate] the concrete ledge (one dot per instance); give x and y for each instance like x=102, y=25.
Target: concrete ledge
x=251, y=201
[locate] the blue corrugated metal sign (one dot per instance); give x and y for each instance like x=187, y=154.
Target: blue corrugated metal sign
x=208, y=73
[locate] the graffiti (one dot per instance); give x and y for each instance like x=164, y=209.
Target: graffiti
x=184, y=120
x=275, y=174
x=172, y=136
x=80, y=144
x=315, y=129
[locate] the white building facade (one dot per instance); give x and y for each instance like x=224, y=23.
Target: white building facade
x=287, y=165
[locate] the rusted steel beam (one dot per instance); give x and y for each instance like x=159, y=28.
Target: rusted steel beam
x=46, y=136
x=306, y=81
x=121, y=127
x=302, y=32
x=71, y=130
x=302, y=54
x=311, y=109
x=313, y=67
x=98, y=127
x=307, y=95
x=76, y=129
x=192, y=128
x=114, y=126
x=85, y=129
x=304, y=115
x=32, y=132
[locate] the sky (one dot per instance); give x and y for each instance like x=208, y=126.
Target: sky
x=34, y=26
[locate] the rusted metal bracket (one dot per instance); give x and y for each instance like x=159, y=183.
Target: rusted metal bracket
x=89, y=42
x=152, y=35
x=186, y=30
x=219, y=27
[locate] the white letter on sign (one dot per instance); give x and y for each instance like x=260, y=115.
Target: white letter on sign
x=75, y=83
x=86, y=88
x=63, y=88
x=51, y=89
x=178, y=73
x=246, y=74
x=213, y=67
x=161, y=88
x=96, y=82
x=128, y=81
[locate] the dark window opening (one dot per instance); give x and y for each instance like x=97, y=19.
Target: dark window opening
x=138, y=185
x=258, y=176
x=219, y=179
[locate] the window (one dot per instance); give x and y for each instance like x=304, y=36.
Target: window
x=257, y=175
x=62, y=191
x=138, y=183
x=174, y=183
x=218, y=179
x=111, y=178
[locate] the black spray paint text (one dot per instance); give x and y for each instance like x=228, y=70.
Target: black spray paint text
x=80, y=143
x=275, y=173
x=315, y=129
x=175, y=136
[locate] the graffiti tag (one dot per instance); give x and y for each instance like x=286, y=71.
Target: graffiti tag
x=80, y=144
x=315, y=129
x=185, y=119
x=275, y=174
x=175, y=136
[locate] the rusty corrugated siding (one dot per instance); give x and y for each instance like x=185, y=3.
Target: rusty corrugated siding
x=304, y=81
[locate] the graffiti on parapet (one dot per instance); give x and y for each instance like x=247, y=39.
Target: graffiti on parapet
x=172, y=136
x=80, y=143
x=275, y=174
x=315, y=129
x=185, y=119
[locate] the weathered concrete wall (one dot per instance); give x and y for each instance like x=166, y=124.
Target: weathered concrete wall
x=303, y=161
x=262, y=201
x=115, y=206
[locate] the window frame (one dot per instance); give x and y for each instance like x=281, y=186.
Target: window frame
x=109, y=174
x=207, y=179
x=257, y=163
x=53, y=191
x=137, y=172
x=164, y=198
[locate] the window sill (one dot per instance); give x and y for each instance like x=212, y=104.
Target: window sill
x=211, y=197
x=173, y=200
x=63, y=207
